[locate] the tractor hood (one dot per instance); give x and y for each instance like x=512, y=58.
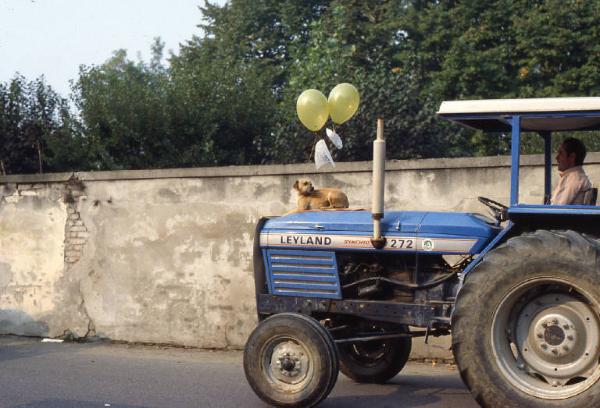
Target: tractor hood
x=443, y=232
x=394, y=222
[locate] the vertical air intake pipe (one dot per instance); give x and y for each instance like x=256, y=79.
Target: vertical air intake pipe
x=378, y=185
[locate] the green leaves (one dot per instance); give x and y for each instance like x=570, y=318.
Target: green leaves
x=32, y=118
x=228, y=97
x=124, y=111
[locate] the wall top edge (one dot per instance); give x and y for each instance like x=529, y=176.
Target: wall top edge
x=304, y=169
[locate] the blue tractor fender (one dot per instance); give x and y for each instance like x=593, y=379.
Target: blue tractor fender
x=498, y=239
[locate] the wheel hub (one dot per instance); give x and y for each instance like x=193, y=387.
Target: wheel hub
x=554, y=335
x=289, y=363
x=557, y=338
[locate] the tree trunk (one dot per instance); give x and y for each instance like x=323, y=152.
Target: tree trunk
x=39, y=150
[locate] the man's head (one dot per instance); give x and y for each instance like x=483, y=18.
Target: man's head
x=571, y=153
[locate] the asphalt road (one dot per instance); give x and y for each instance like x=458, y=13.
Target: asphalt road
x=68, y=375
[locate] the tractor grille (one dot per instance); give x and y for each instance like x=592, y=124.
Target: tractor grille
x=303, y=273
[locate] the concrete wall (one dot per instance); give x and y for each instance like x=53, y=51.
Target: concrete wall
x=165, y=256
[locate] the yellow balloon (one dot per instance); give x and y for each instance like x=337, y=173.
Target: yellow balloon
x=311, y=107
x=343, y=102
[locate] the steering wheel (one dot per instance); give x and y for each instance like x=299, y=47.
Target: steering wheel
x=499, y=211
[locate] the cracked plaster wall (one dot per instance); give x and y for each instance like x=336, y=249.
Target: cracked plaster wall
x=35, y=295
x=169, y=260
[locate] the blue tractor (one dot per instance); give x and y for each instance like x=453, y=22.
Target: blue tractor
x=348, y=290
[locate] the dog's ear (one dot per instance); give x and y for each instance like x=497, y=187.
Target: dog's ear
x=296, y=184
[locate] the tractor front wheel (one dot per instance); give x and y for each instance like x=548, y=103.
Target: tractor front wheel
x=526, y=326
x=290, y=360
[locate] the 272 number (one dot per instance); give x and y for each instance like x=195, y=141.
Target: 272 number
x=401, y=243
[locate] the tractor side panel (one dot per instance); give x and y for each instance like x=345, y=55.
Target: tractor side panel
x=303, y=273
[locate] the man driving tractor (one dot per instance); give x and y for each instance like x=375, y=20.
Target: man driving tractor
x=573, y=182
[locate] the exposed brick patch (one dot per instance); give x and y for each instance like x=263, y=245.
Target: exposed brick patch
x=76, y=233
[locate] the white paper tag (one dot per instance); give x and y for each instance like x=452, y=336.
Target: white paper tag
x=47, y=340
x=335, y=138
x=322, y=155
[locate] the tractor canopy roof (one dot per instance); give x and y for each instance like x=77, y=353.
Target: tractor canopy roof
x=536, y=114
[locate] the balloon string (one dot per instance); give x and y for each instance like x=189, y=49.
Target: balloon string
x=312, y=150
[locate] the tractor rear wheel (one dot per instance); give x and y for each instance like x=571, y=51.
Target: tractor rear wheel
x=526, y=324
x=374, y=361
x=290, y=360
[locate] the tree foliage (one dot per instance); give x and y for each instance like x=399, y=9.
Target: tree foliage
x=124, y=112
x=35, y=125
x=228, y=96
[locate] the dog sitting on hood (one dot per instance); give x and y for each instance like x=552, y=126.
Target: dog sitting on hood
x=310, y=198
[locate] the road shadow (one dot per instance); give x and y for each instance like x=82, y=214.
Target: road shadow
x=61, y=403
x=402, y=391
x=14, y=347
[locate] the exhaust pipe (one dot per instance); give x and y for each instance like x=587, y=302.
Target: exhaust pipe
x=377, y=240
